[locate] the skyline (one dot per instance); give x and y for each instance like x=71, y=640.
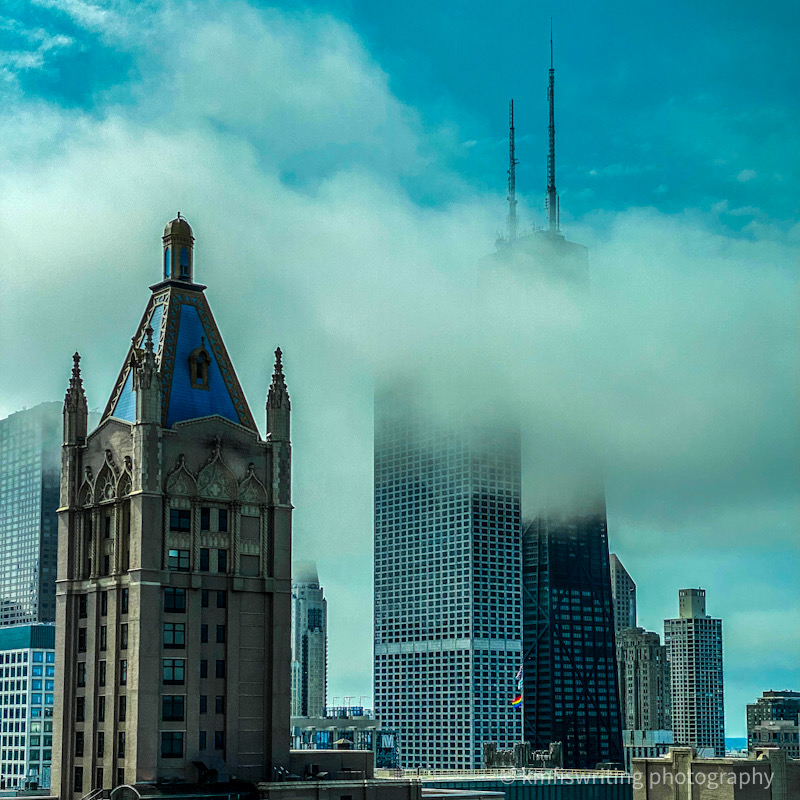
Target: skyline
x=358, y=191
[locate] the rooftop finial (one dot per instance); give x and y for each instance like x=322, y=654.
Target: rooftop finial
x=148, y=338
x=512, y=179
x=278, y=362
x=552, y=196
x=75, y=381
x=551, y=47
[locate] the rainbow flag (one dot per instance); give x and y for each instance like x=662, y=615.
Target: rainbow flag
x=517, y=701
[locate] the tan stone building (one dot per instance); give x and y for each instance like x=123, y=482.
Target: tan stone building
x=174, y=585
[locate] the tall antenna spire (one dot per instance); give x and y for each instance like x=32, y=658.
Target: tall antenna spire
x=552, y=196
x=512, y=177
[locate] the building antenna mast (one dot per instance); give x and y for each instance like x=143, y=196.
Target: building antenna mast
x=552, y=196
x=512, y=177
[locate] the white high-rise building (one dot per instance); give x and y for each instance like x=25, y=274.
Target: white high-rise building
x=448, y=602
x=694, y=649
x=623, y=592
x=309, y=642
x=27, y=669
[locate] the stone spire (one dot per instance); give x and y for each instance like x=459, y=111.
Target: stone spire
x=75, y=409
x=146, y=381
x=278, y=404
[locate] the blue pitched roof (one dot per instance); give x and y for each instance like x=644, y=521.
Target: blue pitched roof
x=182, y=322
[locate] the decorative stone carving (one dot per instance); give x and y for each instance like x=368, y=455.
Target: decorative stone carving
x=251, y=490
x=105, y=487
x=216, y=481
x=180, y=481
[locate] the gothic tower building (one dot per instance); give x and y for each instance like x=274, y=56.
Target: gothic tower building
x=174, y=577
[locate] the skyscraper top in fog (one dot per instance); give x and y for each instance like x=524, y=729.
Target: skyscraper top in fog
x=623, y=590
x=30, y=463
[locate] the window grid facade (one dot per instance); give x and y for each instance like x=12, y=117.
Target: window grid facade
x=27, y=684
x=30, y=462
x=447, y=585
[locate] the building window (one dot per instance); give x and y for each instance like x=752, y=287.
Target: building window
x=205, y=519
x=121, y=744
x=123, y=708
x=203, y=634
x=123, y=672
x=123, y=636
x=179, y=560
x=220, y=668
x=101, y=673
x=77, y=780
x=222, y=560
x=107, y=526
x=172, y=707
x=99, y=777
x=81, y=674
x=80, y=709
x=204, y=598
x=223, y=520
x=199, y=361
x=83, y=606
x=184, y=262
x=124, y=602
x=120, y=776
x=103, y=603
x=220, y=634
x=103, y=637
x=203, y=668
x=203, y=704
x=166, y=262
x=81, y=640
x=222, y=599
x=78, y=744
x=174, y=671
x=174, y=635
x=171, y=744
x=219, y=740
x=101, y=708
x=175, y=601
x=101, y=744
x=202, y=742
x=180, y=519
x=204, y=559
x=219, y=704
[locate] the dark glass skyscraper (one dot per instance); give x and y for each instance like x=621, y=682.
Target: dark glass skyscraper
x=569, y=668
x=447, y=582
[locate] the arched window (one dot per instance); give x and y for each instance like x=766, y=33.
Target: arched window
x=166, y=263
x=199, y=362
x=184, y=262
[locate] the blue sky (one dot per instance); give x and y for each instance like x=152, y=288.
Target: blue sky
x=343, y=165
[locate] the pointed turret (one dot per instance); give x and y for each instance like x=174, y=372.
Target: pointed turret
x=178, y=250
x=278, y=405
x=75, y=409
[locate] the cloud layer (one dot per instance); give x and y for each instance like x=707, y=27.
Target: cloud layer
x=280, y=139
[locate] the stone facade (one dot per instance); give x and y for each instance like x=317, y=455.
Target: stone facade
x=644, y=680
x=174, y=584
x=623, y=592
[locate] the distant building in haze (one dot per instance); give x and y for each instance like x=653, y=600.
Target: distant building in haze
x=309, y=642
x=30, y=465
x=623, y=590
x=644, y=680
x=772, y=706
x=694, y=649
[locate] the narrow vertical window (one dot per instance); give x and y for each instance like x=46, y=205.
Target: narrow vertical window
x=166, y=263
x=184, y=262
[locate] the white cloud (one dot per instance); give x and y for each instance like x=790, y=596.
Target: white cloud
x=746, y=175
x=280, y=139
